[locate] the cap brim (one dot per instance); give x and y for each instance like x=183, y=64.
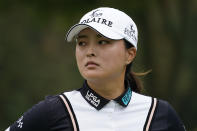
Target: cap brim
x=101, y=29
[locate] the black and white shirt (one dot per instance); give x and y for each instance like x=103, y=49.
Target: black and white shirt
x=91, y=112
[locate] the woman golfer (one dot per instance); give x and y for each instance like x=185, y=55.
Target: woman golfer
x=109, y=99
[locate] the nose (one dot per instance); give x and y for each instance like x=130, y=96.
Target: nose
x=91, y=51
x=90, y=55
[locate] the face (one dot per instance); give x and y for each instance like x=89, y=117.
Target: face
x=100, y=58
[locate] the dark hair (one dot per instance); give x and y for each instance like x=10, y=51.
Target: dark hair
x=132, y=77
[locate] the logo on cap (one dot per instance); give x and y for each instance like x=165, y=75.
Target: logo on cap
x=95, y=17
x=96, y=14
x=130, y=32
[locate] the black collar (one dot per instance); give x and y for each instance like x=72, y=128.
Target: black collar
x=99, y=102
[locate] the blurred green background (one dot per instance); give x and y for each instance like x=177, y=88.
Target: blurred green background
x=36, y=61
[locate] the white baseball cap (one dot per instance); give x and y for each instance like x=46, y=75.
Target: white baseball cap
x=109, y=22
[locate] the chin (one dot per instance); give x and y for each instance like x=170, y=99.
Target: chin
x=93, y=76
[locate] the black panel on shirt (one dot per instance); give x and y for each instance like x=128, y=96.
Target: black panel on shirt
x=166, y=119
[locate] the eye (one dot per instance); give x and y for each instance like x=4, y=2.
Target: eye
x=103, y=42
x=81, y=43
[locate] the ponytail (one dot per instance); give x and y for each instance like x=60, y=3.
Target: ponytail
x=133, y=80
x=132, y=77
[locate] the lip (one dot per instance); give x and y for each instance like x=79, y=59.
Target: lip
x=91, y=63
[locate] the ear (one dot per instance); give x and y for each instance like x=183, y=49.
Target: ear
x=131, y=53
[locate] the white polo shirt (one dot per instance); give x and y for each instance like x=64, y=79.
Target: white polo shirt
x=128, y=110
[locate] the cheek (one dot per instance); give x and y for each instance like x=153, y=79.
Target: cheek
x=79, y=56
x=114, y=60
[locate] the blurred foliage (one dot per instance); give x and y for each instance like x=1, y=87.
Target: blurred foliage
x=35, y=60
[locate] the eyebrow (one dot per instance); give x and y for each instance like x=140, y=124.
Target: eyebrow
x=85, y=36
x=81, y=36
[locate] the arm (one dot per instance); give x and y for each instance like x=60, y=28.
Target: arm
x=34, y=119
x=49, y=114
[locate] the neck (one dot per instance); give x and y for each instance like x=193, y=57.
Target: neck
x=109, y=89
